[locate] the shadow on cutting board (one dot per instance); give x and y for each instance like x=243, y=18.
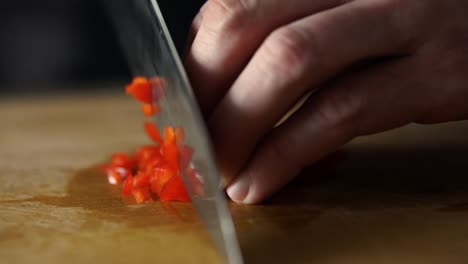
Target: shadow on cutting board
x=359, y=200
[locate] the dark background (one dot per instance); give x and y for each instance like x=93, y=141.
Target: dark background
x=56, y=43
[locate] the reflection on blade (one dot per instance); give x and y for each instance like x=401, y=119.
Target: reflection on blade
x=150, y=52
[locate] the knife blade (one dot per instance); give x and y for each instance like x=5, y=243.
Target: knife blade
x=150, y=51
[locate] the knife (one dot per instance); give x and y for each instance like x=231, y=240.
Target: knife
x=150, y=51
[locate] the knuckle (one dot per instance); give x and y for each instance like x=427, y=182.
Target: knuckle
x=229, y=15
x=290, y=52
x=340, y=109
x=401, y=18
x=229, y=5
x=285, y=53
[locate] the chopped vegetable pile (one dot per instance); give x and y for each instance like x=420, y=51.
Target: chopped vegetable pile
x=153, y=171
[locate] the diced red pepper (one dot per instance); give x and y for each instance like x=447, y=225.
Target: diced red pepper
x=171, y=154
x=147, y=109
x=154, y=169
x=142, y=179
x=122, y=160
x=141, y=195
x=174, y=190
x=151, y=109
x=114, y=178
x=150, y=158
x=169, y=148
x=115, y=174
x=160, y=176
x=128, y=186
x=153, y=132
x=152, y=164
x=146, y=152
x=141, y=89
x=169, y=136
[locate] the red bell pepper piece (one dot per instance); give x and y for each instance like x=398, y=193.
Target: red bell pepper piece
x=114, y=178
x=169, y=148
x=128, y=186
x=122, y=160
x=169, y=136
x=146, y=152
x=141, y=89
x=151, y=109
x=141, y=195
x=174, y=190
x=153, y=132
x=142, y=179
x=171, y=154
x=160, y=177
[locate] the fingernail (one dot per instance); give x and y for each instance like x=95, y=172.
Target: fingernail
x=239, y=189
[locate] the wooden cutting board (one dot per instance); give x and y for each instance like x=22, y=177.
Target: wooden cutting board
x=398, y=197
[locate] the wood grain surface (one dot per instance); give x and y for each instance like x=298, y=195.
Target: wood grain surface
x=398, y=197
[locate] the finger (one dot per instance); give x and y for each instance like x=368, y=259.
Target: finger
x=293, y=59
x=229, y=34
x=367, y=102
x=194, y=28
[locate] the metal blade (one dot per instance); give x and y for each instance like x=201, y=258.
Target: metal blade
x=151, y=52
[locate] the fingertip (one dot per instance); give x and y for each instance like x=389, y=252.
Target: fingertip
x=239, y=189
x=257, y=183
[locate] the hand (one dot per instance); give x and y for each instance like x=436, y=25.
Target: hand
x=374, y=65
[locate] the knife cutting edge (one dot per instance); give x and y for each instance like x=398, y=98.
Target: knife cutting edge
x=150, y=51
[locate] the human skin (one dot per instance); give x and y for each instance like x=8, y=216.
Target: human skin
x=372, y=65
